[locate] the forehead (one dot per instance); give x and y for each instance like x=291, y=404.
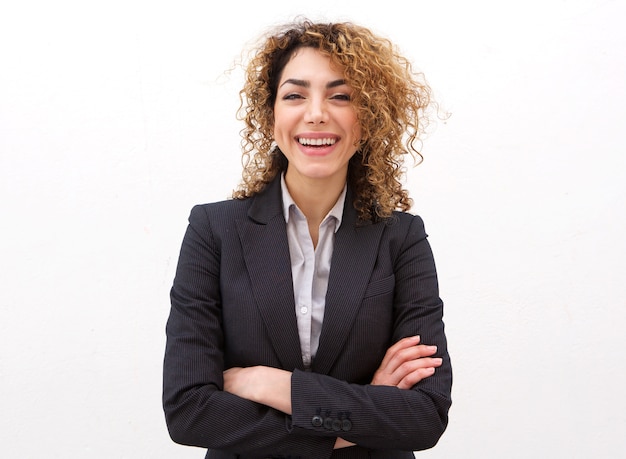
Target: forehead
x=310, y=64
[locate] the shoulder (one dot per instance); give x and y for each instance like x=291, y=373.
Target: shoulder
x=218, y=216
x=405, y=223
x=405, y=238
x=213, y=224
x=261, y=208
x=402, y=231
x=234, y=207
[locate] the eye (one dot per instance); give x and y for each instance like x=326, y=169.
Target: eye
x=292, y=96
x=341, y=97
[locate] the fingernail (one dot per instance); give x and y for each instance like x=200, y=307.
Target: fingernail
x=432, y=348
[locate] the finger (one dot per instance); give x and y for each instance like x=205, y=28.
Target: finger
x=395, y=371
x=413, y=372
x=417, y=367
x=405, y=350
x=407, y=346
x=414, y=377
x=393, y=356
x=407, y=355
x=230, y=377
x=409, y=341
x=412, y=365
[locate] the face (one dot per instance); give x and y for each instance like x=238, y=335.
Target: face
x=315, y=125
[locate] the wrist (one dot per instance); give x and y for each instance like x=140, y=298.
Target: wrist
x=274, y=388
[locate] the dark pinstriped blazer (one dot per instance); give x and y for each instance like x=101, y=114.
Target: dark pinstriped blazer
x=232, y=304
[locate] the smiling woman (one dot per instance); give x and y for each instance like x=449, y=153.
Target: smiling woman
x=306, y=319
x=316, y=128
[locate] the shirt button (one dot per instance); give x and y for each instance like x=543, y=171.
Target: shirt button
x=304, y=309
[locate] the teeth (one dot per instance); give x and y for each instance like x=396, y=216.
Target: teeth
x=316, y=142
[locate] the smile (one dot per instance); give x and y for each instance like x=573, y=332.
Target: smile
x=316, y=142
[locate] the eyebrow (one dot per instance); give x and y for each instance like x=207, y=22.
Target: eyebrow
x=307, y=84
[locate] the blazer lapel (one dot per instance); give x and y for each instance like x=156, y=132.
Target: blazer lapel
x=266, y=253
x=354, y=256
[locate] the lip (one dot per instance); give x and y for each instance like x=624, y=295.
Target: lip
x=317, y=151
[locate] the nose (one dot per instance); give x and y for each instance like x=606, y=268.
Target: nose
x=316, y=112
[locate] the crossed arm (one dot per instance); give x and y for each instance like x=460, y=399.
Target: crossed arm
x=234, y=409
x=405, y=364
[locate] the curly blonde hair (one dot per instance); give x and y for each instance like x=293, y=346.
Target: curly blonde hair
x=391, y=101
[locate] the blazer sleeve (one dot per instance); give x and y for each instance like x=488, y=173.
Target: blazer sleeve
x=197, y=410
x=384, y=417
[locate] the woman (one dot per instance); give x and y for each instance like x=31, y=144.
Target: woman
x=306, y=320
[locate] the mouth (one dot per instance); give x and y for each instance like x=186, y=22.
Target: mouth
x=317, y=142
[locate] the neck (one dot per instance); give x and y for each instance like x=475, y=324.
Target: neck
x=314, y=197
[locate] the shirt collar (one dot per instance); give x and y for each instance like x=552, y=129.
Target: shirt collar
x=336, y=212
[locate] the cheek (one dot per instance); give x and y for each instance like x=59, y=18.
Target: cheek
x=353, y=120
x=281, y=129
x=276, y=127
x=356, y=133
x=280, y=122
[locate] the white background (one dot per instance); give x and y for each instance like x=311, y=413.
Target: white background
x=117, y=117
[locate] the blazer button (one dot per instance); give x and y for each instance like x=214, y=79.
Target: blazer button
x=317, y=421
x=328, y=423
x=346, y=425
x=336, y=425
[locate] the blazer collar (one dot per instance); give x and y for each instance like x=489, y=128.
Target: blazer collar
x=267, y=204
x=263, y=237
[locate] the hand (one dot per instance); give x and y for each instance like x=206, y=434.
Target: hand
x=240, y=381
x=341, y=443
x=266, y=385
x=406, y=363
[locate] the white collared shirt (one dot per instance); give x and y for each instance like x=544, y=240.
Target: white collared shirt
x=310, y=268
